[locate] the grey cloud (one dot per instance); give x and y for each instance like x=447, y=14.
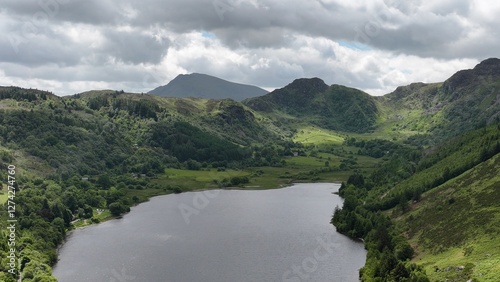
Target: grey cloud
x=266, y=24
x=105, y=72
x=278, y=19
x=406, y=7
x=134, y=47
x=239, y=23
x=36, y=49
x=178, y=16
x=252, y=38
x=75, y=11
x=415, y=38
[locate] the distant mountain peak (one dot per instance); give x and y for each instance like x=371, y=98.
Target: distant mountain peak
x=310, y=84
x=334, y=107
x=480, y=74
x=489, y=66
x=198, y=85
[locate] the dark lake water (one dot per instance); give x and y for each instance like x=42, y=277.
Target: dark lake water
x=217, y=236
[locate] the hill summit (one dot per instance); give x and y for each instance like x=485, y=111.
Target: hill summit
x=334, y=107
x=199, y=85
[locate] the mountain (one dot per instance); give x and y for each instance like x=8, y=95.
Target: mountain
x=429, y=213
x=467, y=100
x=198, y=85
x=334, y=107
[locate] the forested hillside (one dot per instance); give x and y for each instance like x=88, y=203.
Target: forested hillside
x=435, y=200
x=419, y=165
x=101, y=150
x=422, y=198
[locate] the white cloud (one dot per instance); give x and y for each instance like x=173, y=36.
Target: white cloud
x=372, y=45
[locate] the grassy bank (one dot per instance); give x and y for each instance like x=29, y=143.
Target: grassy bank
x=454, y=228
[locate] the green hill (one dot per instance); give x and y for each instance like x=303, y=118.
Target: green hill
x=225, y=118
x=333, y=107
x=440, y=200
x=466, y=101
x=454, y=228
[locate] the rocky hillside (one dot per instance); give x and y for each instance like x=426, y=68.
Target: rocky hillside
x=333, y=107
x=467, y=100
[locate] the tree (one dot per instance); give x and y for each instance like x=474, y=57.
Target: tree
x=117, y=208
x=404, y=251
x=193, y=165
x=403, y=204
x=383, y=238
x=70, y=201
x=417, y=195
x=446, y=174
x=357, y=180
x=399, y=273
x=104, y=181
x=387, y=263
x=236, y=180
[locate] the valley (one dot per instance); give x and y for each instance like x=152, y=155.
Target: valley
x=418, y=166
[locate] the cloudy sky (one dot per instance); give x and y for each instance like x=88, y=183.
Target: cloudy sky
x=71, y=46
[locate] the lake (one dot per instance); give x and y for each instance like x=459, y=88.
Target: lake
x=218, y=235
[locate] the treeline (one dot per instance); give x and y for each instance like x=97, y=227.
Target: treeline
x=375, y=148
x=186, y=142
x=426, y=172
x=142, y=108
x=20, y=94
x=110, y=141
x=389, y=254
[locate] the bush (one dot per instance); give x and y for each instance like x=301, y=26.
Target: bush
x=237, y=180
x=117, y=209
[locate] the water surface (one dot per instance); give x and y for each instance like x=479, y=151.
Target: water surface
x=216, y=236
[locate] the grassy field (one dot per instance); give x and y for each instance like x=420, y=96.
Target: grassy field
x=297, y=169
x=3, y=196
x=314, y=135
x=308, y=162
x=189, y=180
x=323, y=165
x=455, y=226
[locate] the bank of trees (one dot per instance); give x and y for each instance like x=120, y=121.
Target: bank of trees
x=45, y=209
x=185, y=142
x=388, y=252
